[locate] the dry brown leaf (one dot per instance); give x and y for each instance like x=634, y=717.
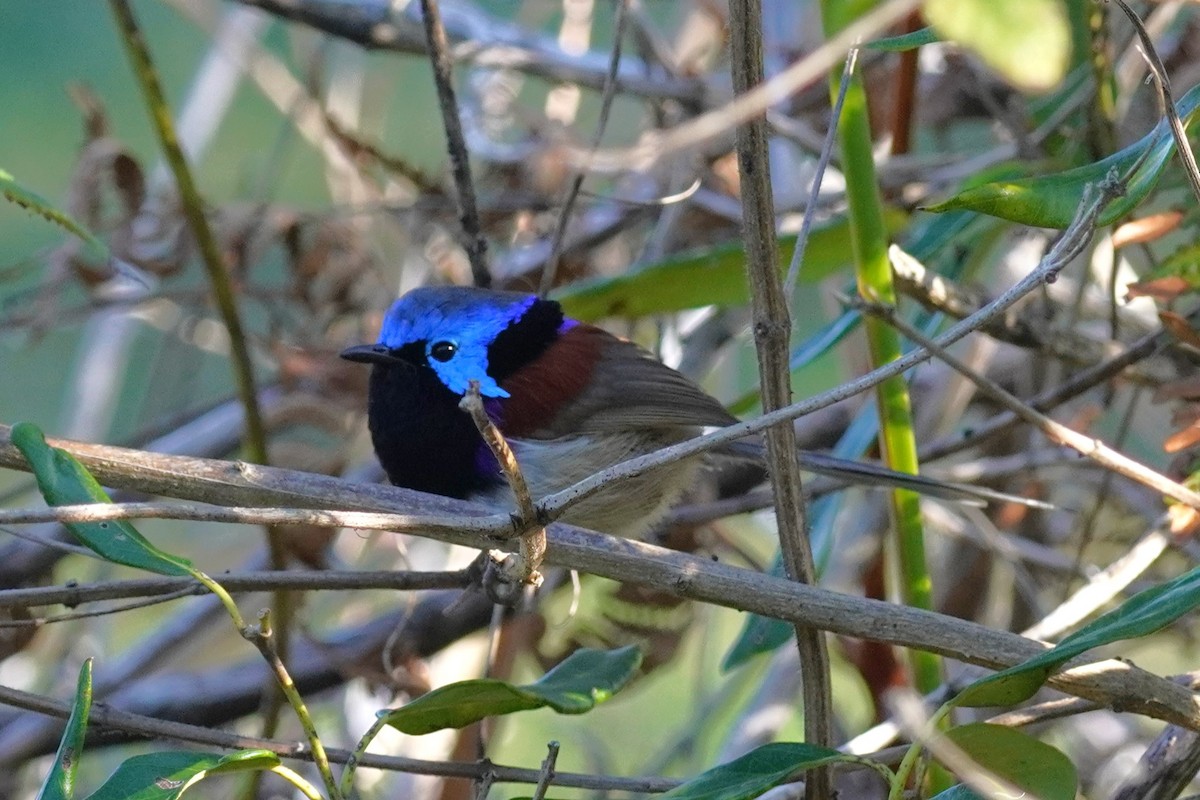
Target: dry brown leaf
x=1146, y=229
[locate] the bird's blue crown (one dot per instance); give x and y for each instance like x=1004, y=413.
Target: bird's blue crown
x=455, y=325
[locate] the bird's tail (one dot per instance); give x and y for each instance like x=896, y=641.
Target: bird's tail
x=863, y=473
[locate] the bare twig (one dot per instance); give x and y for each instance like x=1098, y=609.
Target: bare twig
x=222, y=289
x=531, y=529
x=261, y=637
x=810, y=210
x=103, y=717
x=460, y=164
x=1163, y=82
x=324, y=580
x=1055, y=431
x=548, y=774
x=1079, y=383
x=745, y=106
x=1109, y=682
x=375, y=26
x=772, y=333
x=564, y=214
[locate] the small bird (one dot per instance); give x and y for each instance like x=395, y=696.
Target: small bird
x=570, y=398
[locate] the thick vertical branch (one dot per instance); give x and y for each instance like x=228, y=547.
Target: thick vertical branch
x=772, y=327
x=460, y=165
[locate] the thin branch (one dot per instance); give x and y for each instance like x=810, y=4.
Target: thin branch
x=532, y=531
x=105, y=717
x=222, y=287
x=1163, y=82
x=772, y=333
x=548, y=773
x=1055, y=431
x=1111, y=683
x=460, y=163
x=1079, y=383
x=748, y=105
x=262, y=638
x=375, y=26
x=324, y=580
x=606, y=100
x=810, y=210
x=497, y=526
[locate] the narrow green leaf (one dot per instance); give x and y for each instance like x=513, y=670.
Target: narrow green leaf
x=14, y=192
x=1026, y=41
x=582, y=680
x=245, y=761
x=759, y=635
x=757, y=771
x=585, y=678
x=1144, y=613
x=167, y=775
x=64, y=481
x=906, y=41
x=711, y=276
x=60, y=783
x=1039, y=769
x=1050, y=201
x=459, y=704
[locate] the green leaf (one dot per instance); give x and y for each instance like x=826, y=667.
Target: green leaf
x=759, y=635
x=1050, y=201
x=167, y=775
x=585, y=678
x=1040, y=770
x=245, y=761
x=1144, y=613
x=14, y=192
x=459, y=704
x=758, y=771
x=64, y=481
x=1026, y=41
x=712, y=276
x=60, y=783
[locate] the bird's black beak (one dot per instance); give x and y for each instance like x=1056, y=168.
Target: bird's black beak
x=370, y=354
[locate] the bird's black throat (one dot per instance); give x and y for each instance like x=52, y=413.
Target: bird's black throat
x=422, y=438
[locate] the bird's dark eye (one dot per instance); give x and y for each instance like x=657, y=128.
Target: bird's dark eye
x=443, y=350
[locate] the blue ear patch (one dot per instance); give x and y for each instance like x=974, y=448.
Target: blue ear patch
x=469, y=319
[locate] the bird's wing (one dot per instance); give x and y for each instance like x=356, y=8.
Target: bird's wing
x=589, y=381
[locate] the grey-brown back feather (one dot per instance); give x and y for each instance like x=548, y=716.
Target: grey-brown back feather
x=631, y=389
